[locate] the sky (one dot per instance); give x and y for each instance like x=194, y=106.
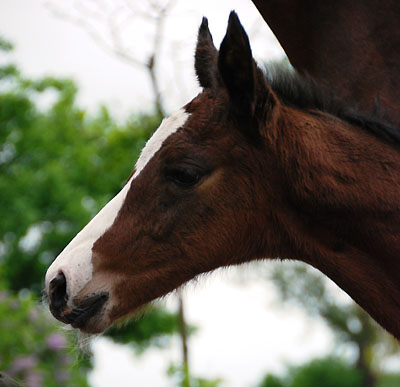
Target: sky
x=47, y=44
x=242, y=332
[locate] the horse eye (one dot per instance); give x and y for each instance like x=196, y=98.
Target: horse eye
x=184, y=177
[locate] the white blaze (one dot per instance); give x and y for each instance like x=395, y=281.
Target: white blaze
x=75, y=261
x=168, y=126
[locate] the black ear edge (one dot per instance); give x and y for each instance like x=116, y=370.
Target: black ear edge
x=203, y=29
x=204, y=36
x=234, y=20
x=235, y=28
x=205, y=57
x=240, y=95
x=253, y=101
x=237, y=66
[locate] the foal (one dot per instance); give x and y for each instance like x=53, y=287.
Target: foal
x=250, y=168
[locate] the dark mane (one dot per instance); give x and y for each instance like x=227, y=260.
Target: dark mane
x=304, y=93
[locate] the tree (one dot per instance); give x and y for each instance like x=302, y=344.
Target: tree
x=351, y=326
x=109, y=23
x=33, y=349
x=330, y=371
x=58, y=167
x=327, y=372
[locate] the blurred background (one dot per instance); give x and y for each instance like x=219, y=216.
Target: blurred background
x=83, y=84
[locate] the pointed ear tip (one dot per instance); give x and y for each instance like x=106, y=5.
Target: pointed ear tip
x=233, y=17
x=235, y=27
x=204, y=25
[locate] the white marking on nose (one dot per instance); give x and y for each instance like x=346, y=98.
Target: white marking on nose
x=75, y=261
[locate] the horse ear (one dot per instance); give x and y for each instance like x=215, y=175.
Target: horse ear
x=237, y=67
x=206, y=57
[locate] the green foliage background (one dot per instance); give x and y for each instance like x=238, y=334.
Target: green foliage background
x=33, y=349
x=330, y=371
x=327, y=372
x=58, y=167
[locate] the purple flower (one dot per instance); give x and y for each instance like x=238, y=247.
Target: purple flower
x=34, y=379
x=3, y=295
x=33, y=315
x=56, y=342
x=23, y=363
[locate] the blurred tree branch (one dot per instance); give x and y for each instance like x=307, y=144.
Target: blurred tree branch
x=351, y=325
x=107, y=23
x=114, y=18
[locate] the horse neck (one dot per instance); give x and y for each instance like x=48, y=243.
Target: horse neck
x=343, y=208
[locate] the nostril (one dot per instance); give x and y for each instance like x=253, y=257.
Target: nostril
x=58, y=291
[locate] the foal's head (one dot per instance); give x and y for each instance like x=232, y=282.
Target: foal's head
x=198, y=198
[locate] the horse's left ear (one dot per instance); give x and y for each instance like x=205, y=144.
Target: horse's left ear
x=205, y=62
x=237, y=67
